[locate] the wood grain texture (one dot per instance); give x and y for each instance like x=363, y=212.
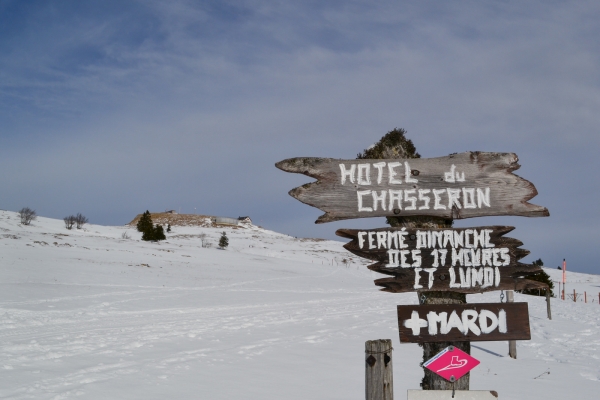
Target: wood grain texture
x=517, y=322
x=512, y=275
x=379, y=377
x=508, y=193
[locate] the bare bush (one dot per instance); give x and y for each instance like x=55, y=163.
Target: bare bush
x=27, y=215
x=125, y=235
x=80, y=220
x=69, y=221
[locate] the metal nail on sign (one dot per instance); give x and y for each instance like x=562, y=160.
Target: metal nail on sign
x=451, y=363
x=465, y=185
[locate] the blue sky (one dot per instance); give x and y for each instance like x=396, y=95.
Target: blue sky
x=111, y=108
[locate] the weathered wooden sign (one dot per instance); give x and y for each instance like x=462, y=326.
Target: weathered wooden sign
x=466, y=260
x=465, y=185
x=463, y=322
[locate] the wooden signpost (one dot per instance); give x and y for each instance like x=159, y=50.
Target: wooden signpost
x=433, y=262
x=465, y=260
x=463, y=322
x=465, y=185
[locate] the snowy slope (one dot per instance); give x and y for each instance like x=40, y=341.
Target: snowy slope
x=88, y=314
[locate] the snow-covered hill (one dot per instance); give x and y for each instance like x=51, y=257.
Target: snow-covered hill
x=88, y=314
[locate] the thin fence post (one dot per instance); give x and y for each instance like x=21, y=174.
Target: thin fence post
x=512, y=344
x=585, y=297
x=574, y=296
x=379, y=383
x=548, y=304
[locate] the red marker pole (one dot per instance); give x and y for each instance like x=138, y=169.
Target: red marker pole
x=564, y=277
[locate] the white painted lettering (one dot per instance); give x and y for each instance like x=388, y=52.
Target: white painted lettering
x=488, y=277
x=403, y=263
x=392, y=173
x=448, y=239
x=453, y=283
x=486, y=257
x=453, y=198
x=392, y=239
x=436, y=238
x=346, y=173
x=407, y=172
x=411, y=199
x=395, y=195
x=484, y=316
x=360, y=194
x=401, y=235
x=442, y=254
x=477, y=276
x=468, y=321
x=453, y=322
x=379, y=167
x=487, y=238
x=424, y=199
x=433, y=318
x=371, y=237
x=476, y=257
x=421, y=240
x=416, y=257
x=430, y=271
x=469, y=193
x=457, y=257
x=495, y=258
x=478, y=238
x=393, y=259
x=361, y=240
x=380, y=198
x=458, y=239
x=502, y=321
x=483, y=198
x=418, y=278
x=415, y=323
x=381, y=239
x=468, y=232
x=364, y=174
x=437, y=199
x=435, y=264
x=505, y=256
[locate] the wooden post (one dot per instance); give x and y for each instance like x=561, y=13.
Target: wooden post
x=548, y=304
x=378, y=370
x=512, y=344
x=574, y=296
x=585, y=297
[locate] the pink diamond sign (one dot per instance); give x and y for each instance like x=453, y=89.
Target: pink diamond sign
x=451, y=363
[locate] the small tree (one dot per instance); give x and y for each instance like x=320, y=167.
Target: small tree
x=223, y=241
x=154, y=234
x=27, y=215
x=159, y=233
x=145, y=222
x=540, y=277
x=69, y=221
x=80, y=220
x=169, y=228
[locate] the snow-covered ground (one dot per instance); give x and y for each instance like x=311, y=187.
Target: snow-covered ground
x=86, y=313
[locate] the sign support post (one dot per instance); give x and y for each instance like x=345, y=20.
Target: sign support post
x=379, y=379
x=512, y=344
